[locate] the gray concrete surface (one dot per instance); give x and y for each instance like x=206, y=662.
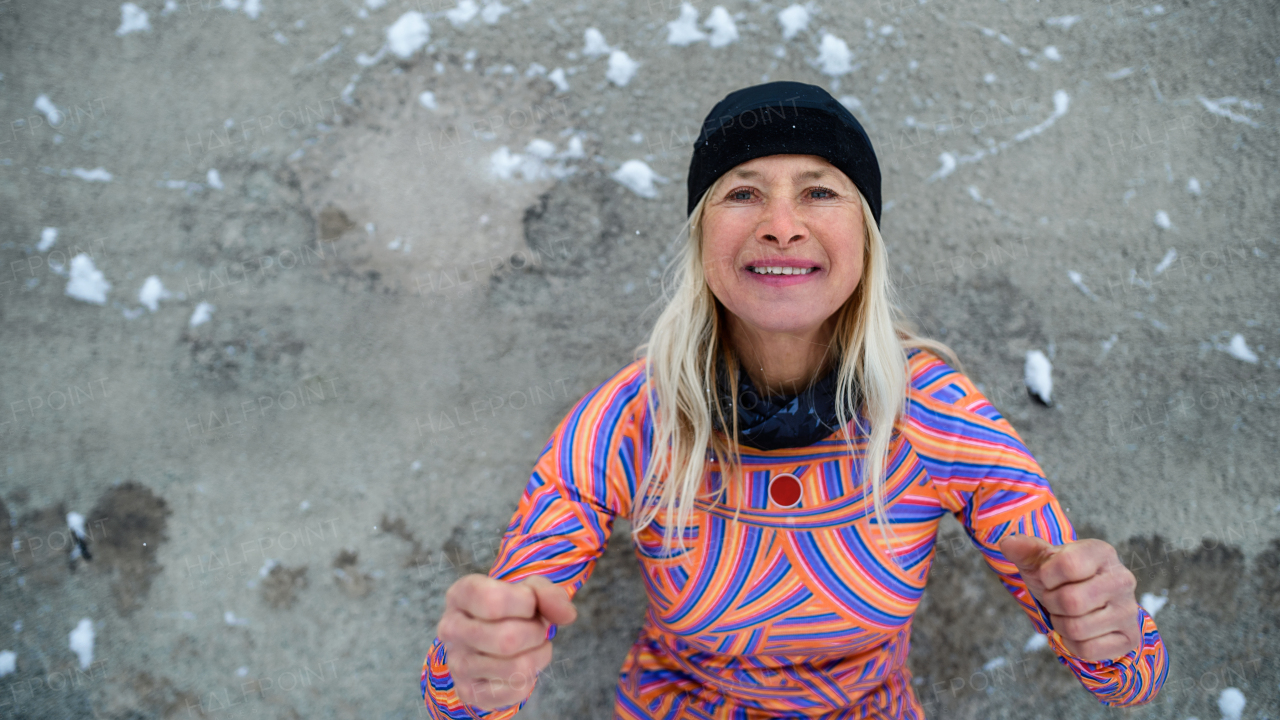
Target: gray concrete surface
x=278, y=498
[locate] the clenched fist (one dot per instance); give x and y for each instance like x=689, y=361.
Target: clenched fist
x=1087, y=591
x=495, y=633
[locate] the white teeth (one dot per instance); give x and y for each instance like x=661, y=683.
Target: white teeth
x=781, y=270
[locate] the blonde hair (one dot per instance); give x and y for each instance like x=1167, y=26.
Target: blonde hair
x=870, y=340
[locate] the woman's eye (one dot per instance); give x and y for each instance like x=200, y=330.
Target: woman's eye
x=822, y=193
x=740, y=195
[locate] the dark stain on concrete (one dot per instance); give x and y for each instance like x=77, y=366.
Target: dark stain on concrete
x=347, y=574
x=134, y=526
x=159, y=697
x=1205, y=577
x=6, y=527
x=281, y=586
x=418, y=555
x=1267, y=571
x=333, y=222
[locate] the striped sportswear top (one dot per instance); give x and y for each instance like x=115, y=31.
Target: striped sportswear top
x=795, y=612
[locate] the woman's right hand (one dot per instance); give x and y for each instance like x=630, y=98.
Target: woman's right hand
x=495, y=634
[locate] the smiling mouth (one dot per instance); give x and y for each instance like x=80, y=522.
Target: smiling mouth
x=768, y=270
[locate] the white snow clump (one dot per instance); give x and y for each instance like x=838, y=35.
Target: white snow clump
x=621, y=68
x=493, y=11
x=132, y=19
x=834, y=56
x=793, y=20
x=408, y=34
x=1231, y=703
x=81, y=640
x=203, y=312
x=87, y=282
x=684, y=29
x=98, y=174
x=1239, y=350
x=558, y=79
x=75, y=521
x=48, y=237
x=463, y=13
x=595, y=44
x=638, y=177
x=1152, y=603
x=723, y=29
x=49, y=110
x=1038, y=375
x=948, y=161
x=152, y=292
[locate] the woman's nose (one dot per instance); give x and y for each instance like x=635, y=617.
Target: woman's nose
x=781, y=223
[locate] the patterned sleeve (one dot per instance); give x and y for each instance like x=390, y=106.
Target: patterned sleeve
x=988, y=479
x=584, y=478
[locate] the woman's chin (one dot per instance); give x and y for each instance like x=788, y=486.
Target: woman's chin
x=789, y=324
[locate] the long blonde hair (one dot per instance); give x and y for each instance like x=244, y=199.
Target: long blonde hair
x=870, y=341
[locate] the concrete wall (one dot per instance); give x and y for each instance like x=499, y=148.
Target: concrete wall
x=277, y=498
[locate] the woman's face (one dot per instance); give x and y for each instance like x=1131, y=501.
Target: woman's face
x=782, y=242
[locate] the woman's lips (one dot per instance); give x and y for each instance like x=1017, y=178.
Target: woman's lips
x=781, y=280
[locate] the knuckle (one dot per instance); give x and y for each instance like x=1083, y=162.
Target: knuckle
x=461, y=590
x=490, y=602
x=451, y=595
x=508, y=640
x=1128, y=581
x=1070, y=601
x=447, y=628
x=1109, y=551
x=1072, y=565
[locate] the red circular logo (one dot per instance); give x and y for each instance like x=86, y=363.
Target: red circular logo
x=784, y=490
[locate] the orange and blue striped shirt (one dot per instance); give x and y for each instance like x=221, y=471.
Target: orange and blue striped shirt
x=796, y=612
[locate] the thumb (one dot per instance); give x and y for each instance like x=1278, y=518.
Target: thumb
x=1028, y=552
x=553, y=601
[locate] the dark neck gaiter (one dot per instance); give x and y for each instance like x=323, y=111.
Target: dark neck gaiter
x=773, y=423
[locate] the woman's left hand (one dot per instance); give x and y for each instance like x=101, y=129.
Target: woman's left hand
x=1087, y=591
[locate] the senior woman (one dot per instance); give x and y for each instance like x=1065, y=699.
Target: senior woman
x=784, y=450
